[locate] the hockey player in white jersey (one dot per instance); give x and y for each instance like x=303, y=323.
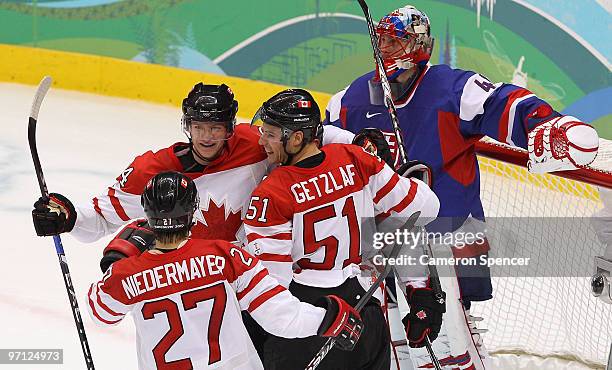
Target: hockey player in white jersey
x=305, y=222
x=185, y=295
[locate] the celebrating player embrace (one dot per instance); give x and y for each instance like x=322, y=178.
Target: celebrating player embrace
x=218, y=153
x=310, y=212
x=185, y=295
x=224, y=160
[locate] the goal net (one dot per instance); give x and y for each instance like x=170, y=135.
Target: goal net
x=552, y=313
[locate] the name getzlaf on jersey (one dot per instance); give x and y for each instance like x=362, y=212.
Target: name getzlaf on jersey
x=314, y=216
x=242, y=162
x=186, y=305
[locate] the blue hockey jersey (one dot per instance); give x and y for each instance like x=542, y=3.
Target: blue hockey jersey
x=442, y=116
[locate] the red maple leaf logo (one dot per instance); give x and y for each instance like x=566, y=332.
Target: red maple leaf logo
x=421, y=315
x=216, y=225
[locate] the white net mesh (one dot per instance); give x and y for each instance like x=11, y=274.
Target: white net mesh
x=547, y=316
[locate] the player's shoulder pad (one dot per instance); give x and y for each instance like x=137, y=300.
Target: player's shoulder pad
x=367, y=163
x=271, y=183
x=446, y=71
x=226, y=248
x=351, y=150
x=447, y=78
x=116, y=274
x=277, y=188
x=134, y=178
x=351, y=153
x=237, y=258
x=118, y=270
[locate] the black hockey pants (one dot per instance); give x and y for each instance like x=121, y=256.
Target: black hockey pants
x=373, y=351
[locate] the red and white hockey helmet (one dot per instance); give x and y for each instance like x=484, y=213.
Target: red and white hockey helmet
x=404, y=40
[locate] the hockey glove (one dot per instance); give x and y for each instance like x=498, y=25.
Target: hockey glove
x=53, y=216
x=417, y=170
x=132, y=240
x=373, y=141
x=341, y=322
x=425, y=317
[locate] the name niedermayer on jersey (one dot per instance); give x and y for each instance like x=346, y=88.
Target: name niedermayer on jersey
x=325, y=183
x=172, y=273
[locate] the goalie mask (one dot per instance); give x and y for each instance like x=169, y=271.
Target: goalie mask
x=404, y=40
x=169, y=201
x=209, y=103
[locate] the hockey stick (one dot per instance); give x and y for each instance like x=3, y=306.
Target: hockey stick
x=384, y=82
x=41, y=91
x=433, y=272
x=439, y=296
x=329, y=344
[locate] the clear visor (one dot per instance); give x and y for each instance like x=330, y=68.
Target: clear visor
x=272, y=131
x=209, y=131
x=257, y=119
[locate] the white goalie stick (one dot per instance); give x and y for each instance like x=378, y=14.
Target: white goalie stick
x=329, y=344
x=434, y=278
x=41, y=91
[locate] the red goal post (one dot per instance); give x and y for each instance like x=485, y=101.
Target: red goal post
x=517, y=156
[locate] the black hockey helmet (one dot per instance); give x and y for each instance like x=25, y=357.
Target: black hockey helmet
x=169, y=201
x=291, y=110
x=210, y=103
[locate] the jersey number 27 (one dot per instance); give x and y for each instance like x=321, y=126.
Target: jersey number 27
x=189, y=301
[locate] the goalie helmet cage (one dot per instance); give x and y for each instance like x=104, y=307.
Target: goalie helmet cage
x=546, y=317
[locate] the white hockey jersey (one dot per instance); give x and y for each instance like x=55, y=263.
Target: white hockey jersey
x=314, y=217
x=186, y=306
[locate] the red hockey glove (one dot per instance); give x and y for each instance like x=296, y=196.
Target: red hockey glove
x=132, y=240
x=373, y=141
x=417, y=170
x=341, y=322
x=53, y=216
x=425, y=317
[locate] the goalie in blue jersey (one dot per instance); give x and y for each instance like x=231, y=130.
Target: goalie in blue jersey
x=443, y=112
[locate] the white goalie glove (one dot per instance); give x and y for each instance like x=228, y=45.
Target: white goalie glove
x=563, y=143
